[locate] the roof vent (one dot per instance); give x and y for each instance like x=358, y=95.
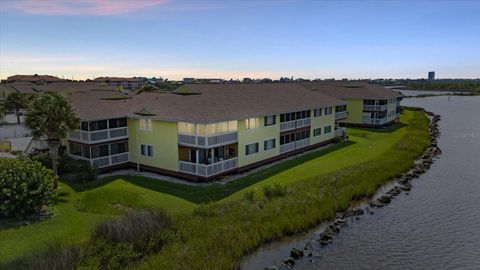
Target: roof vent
x=144, y=112
x=186, y=91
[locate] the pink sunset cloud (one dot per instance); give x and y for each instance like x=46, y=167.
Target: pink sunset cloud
x=81, y=7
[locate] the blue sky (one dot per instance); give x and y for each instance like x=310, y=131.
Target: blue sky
x=236, y=39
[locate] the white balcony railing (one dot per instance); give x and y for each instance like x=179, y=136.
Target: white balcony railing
x=208, y=170
x=340, y=115
x=340, y=132
x=299, y=123
x=284, y=148
x=302, y=143
x=374, y=107
x=375, y=121
x=287, y=125
x=98, y=136
x=304, y=122
x=209, y=140
x=105, y=161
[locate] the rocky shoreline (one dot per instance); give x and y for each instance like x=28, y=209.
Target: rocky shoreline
x=401, y=184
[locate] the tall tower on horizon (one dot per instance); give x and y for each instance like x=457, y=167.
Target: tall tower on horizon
x=431, y=75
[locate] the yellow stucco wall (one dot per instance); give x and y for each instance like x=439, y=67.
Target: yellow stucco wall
x=321, y=122
x=257, y=135
x=163, y=137
x=354, y=111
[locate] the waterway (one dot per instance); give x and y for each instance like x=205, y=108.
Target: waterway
x=435, y=226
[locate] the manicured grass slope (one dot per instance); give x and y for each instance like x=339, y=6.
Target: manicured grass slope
x=218, y=234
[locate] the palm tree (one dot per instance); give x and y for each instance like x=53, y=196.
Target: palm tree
x=15, y=101
x=51, y=116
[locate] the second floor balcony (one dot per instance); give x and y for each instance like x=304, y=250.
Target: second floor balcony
x=98, y=136
x=375, y=107
x=299, y=123
x=205, y=141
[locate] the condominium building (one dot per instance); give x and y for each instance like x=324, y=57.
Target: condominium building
x=128, y=83
x=367, y=104
x=202, y=131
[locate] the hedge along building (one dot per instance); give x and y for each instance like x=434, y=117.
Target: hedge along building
x=202, y=131
x=367, y=104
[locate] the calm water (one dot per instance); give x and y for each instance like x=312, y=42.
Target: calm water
x=436, y=226
x=419, y=92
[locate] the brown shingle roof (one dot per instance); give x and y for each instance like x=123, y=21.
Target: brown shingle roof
x=351, y=90
x=34, y=78
x=216, y=102
x=59, y=87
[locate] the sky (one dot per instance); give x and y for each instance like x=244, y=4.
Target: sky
x=172, y=39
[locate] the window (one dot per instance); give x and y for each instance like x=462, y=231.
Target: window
x=146, y=124
x=317, y=132
x=327, y=129
x=328, y=110
x=317, y=112
x=146, y=150
x=269, y=144
x=252, y=123
x=270, y=120
x=251, y=149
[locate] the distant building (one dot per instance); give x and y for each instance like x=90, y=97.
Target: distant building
x=431, y=75
x=129, y=83
x=188, y=80
x=34, y=78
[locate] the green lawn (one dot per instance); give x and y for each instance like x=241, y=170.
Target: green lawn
x=76, y=212
x=80, y=206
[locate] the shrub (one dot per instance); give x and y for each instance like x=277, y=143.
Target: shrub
x=26, y=186
x=275, y=190
x=105, y=255
x=140, y=229
x=74, y=170
x=117, y=243
x=55, y=257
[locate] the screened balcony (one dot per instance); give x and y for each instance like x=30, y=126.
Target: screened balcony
x=102, y=155
x=208, y=162
x=375, y=105
x=100, y=131
x=207, y=135
x=293, y=120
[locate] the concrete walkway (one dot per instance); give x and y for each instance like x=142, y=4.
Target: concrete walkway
x=224, y=180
